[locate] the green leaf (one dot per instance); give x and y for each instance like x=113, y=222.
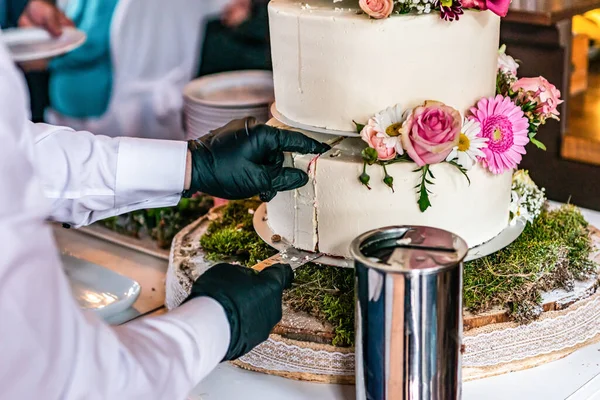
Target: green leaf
x=423, y=201
x=359, y=127
x=536, y=142
x=430, y=173
x=369, y=155
x=460, y=168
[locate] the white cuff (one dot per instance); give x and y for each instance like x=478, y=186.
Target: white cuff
x=149, y=168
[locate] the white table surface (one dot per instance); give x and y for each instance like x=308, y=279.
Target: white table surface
x=573, y=377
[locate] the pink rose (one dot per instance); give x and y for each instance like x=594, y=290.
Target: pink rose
x=545, y=94
x=498, y=7
x=376, y=141
x=377, y=8
x=430, y=132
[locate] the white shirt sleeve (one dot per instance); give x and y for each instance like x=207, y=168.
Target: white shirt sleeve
x=49, y=348
x=88, y=177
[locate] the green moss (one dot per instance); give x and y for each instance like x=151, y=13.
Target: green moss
x=160, y=224
x=328, y=294
x=551, y=253
x=233, y=235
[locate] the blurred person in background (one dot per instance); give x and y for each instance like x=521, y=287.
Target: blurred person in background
x=81, y=80
x=128, y=78
x=239, y=40
x=34, y=13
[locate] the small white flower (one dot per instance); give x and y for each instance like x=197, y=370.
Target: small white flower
x=506, y=63
x=388, y=124
x=527, y=200
x=469, y=145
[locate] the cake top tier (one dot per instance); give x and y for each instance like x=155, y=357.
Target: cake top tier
x=449, y=10
x=321, y=6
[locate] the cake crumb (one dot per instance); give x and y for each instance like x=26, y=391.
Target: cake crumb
x=404, y=241
x=276, y=238
x=250, y=211
x=336, y=153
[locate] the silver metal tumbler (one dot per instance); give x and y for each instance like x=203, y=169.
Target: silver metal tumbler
x=408, y=313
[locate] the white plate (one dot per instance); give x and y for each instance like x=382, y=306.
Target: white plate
x=292, y=124
x=30, y=44
x=231, y=89
x=100, y=289
x=503, y=239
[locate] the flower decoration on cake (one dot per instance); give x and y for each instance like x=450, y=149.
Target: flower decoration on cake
x=493, y=134
x=527, y=199
x=507, y=64
x=430, y=132
x=382, y=133
x=449, y=10
x=377, y=8
x=541, y=92
x=470, y=143
x=504, y=125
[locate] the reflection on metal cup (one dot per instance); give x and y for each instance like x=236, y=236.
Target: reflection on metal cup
x=408, y=313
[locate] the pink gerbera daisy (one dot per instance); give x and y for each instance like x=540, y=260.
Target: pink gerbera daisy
x=506, y=128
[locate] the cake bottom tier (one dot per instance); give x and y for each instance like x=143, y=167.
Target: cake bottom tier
x=334, y=207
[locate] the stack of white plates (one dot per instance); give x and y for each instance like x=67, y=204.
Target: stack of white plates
x=213, y=100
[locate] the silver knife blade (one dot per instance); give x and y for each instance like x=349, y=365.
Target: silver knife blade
x=289, y=255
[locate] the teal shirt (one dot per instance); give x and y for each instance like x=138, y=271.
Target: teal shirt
x=81, y=81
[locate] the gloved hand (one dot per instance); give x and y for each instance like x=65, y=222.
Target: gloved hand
x=252, y=301
x=241, y=160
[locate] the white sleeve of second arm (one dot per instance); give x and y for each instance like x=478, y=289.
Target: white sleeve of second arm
x=88, y=177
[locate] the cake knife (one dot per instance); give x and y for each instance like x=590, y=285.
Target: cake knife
x=293, y=257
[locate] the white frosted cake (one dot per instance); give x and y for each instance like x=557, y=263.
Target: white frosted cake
x=334, y=208
x=439, y=140
x=332, y=66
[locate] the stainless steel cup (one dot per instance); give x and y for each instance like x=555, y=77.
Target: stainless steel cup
x=408, y=313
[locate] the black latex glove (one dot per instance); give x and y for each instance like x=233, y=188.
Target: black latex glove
x=242, y=160
x=252, y=301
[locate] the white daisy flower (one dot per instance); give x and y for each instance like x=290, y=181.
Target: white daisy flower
x=388, y=124
x=469, y=145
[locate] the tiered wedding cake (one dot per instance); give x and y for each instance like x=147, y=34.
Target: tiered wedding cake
x=441, y=148
x=428, y=122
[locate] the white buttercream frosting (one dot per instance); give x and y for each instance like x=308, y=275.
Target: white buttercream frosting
x=332, y=65
x=342, y=208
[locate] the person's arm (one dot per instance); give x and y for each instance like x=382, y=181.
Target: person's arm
x=50, y=348
x=88, y=177
x=91, y=177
